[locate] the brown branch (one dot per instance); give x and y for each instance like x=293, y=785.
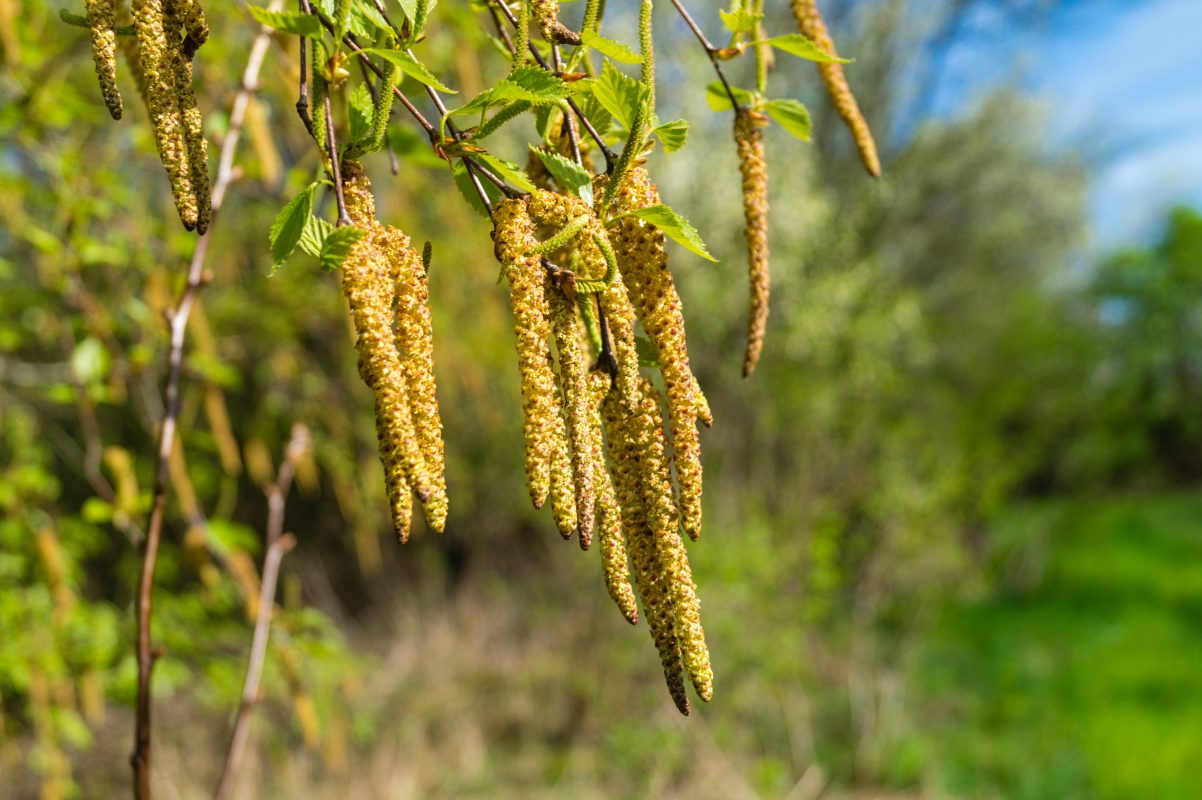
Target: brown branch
x=710, y=51
x=178, y=318
x=278, y=543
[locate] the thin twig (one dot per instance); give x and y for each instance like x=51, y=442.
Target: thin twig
x=278, y=543
x=302, y=99
x=710, y=51
x=573, y=142
x=335, y=167
x=140, y=759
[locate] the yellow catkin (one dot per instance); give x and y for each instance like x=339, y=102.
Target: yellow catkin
x=195, y=144
x=660, y=512
x=415, y=340
x=573, y=377
x=609, y=512
x=543, y=425
x=192, y=17
x=546, y=14
x=563, y=484
x=810, y=22
x=101, y=19
x=369, y=285
x=619, y=315
x=754, y=169
x=155, y=54
x=643, y=261
x=649, y=572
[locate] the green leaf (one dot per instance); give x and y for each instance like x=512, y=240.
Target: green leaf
x=594, y=112
x=672, y=135
x=608, y=47
x=287, y=21
x=90, y=361
x=797, y=45
x=337, y=246
x=648, y=355
x=618, y=93
x=507, y=170
x=413, y=147
x=361, y=112
x=534, y=85
x=567, y=173
x=676, y=227
x=410, y=66
x=740, y=20
x=792, y=116
x=314, y=236
x=227, y=538
x=288, y=225
x=715, y=95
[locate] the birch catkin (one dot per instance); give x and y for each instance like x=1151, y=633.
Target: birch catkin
x=514, y=244
x=196, y=147
x=101, y=21
x=573, y=376
x=754, y=169
x=643, y=262
x=811, y=24
x=609, y=512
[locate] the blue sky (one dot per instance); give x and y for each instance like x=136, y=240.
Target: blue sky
x=1123, y=84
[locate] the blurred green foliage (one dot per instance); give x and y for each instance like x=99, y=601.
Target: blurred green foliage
x=931, y=359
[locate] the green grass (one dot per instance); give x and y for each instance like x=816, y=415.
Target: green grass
x=1081, y=674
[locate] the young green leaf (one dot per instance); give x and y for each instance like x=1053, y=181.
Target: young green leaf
x=792, y=116
x=313, y=236
x=672, y=135
x=618, y=93
x=286, y=229
x=534, y=85
x=797, y=45
x=567, y=173
x=715, y=95
x=362, y=113
x=337, y=246
x=740, y=20
x=608, y=47
x=286, y=21
x=507, y=170
x=410, y=66
x=675, y=227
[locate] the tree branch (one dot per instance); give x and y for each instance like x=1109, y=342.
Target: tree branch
x=278, y=543
x=178, y=318
x=710, y=51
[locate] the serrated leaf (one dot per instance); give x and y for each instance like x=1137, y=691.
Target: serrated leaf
x=534, y=85
x=337, y=246
x=288, y=224
x=287, y=21
x=715, y=95
x=672, y=135
x=790, y=115
x=507, y=170
x=608, y=47
x=361, y=112
x=675, y=227
x=313, y=236
x=618, y=93
x=567, y=173
x=797, y=45
x=410, y=66
x=740, y=20
x=413, y=147
x=595, y=113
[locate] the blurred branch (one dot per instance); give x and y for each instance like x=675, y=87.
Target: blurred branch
x=140, y=759
x=277, y=544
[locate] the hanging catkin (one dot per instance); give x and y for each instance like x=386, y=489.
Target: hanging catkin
x=573, y=377
x=753, y=167
x=156, y=54
x=609, y=512
x=546, y=14
x=414, y=327
x=101, y=21
x=514, y=243
x=649, y=571
x=643, y=261
x=811, y=24
x=196, y=147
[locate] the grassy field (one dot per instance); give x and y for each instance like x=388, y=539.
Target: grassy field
x=1080, y=676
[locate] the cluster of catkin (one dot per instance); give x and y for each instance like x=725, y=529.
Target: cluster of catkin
x=167, y=34
x=384, y=281
x=595, y=441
